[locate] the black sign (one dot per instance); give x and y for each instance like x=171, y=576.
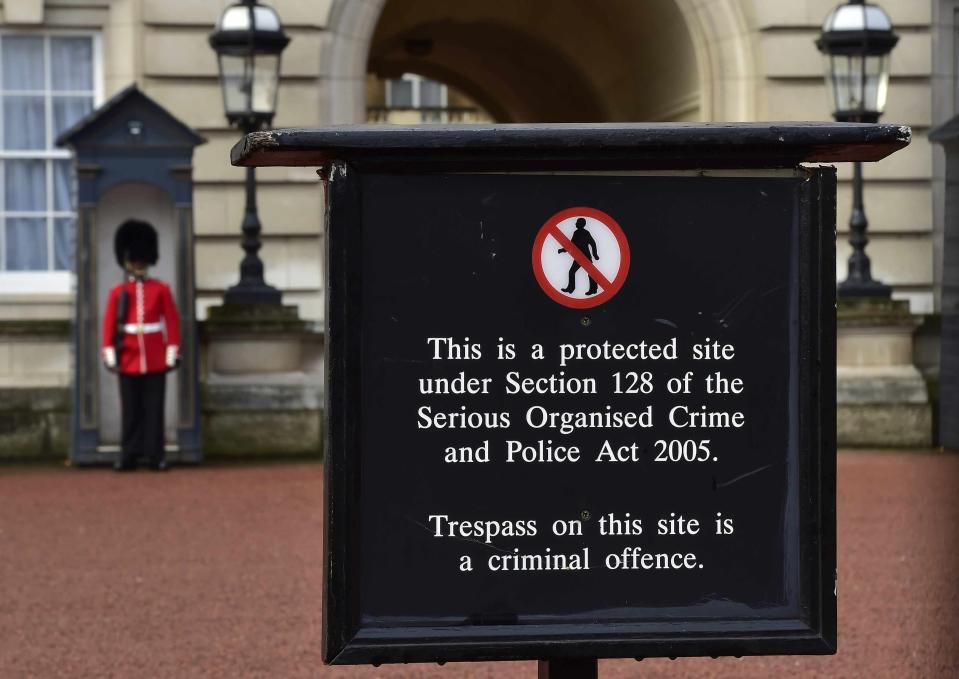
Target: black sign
x=577, y=415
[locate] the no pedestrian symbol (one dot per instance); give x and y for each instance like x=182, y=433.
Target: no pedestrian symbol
x=581, y=257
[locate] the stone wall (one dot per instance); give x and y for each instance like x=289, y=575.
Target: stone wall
x=767, y=45
x=34, y=423
x=755, y=59
x=278, y=414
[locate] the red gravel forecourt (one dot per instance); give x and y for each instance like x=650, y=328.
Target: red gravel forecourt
x=217, y=572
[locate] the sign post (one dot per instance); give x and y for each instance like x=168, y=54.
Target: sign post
x=581, y=388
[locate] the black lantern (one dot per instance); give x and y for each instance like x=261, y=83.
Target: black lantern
x=248, y=41
x=856, y=41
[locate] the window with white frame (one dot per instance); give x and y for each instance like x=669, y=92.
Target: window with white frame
x=47, y=83
x=413, y=91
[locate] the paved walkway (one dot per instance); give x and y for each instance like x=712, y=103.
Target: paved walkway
x=216, y=572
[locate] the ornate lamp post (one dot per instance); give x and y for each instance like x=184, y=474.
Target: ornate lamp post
x=856, y=41
x=249, y=40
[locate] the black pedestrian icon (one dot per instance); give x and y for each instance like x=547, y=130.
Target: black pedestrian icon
x=584, y=242
x=580, y=233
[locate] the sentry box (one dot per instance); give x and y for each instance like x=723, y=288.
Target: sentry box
x=133, y=159
x=581, y=387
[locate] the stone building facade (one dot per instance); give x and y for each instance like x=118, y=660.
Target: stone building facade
x=522, y=61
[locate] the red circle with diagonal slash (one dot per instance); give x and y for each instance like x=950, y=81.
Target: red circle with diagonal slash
x=609, y=287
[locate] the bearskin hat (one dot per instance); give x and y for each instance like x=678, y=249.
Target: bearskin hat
x=135, y=241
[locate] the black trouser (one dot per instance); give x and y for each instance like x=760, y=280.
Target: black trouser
x=141, y=399
x=573, y=268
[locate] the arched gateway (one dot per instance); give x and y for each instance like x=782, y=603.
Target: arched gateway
x=533, y=61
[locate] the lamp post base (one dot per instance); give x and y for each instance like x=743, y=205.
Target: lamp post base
x=252, y=294
x=883, y=399
x=868, y=288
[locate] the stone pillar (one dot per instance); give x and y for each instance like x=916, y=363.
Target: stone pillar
x=262, y=382
x=948, y=222
x=882, y=397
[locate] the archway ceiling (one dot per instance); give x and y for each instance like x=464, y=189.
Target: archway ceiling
x=546, y=61
x=539, y=83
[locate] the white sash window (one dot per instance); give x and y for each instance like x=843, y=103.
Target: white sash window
x=47, y=83
x=416, y=92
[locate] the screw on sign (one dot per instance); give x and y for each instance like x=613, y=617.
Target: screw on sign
x=581, y=257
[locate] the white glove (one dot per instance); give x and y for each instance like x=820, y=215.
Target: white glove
x=171, y=355
x=110, y=357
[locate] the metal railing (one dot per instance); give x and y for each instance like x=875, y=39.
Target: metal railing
x=426, y=114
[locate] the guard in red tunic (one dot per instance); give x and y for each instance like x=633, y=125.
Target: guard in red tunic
x=141, y=341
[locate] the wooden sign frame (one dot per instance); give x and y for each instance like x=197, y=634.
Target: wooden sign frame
x=348, y=155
